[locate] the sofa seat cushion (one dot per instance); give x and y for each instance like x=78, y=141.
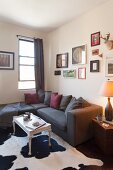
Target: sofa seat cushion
x=53, y=116
x=39, y=106
x=25, y=108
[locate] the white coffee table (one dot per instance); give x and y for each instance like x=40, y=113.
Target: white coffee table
x=30, y=129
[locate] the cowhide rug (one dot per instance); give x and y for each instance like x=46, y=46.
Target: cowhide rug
x=60, y=156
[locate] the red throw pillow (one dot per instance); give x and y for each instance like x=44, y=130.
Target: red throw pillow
x=55, y=100
x=31, y=98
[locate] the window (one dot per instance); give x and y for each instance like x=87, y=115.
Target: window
x=26, y=64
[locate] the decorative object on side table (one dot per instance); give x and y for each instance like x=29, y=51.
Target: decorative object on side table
x=99, y=117
x=107, y=91
x=94, y=66
x=95, y=39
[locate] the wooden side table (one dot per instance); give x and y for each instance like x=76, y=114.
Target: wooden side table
x=103, y=136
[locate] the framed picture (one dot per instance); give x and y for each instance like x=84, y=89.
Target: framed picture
x=79, y=55
x=95, y=39
x=62, y=60
x=94, y=66
x=95, y=52
x=82, y=73
x=109, y=66
x=6, y=60
x=69, y=73
x=57, y=72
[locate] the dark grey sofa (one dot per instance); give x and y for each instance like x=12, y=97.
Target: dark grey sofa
x=75, y=127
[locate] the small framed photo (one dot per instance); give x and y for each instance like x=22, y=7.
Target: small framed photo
x=57, y=72
x=6, y=60
x=94, y=66
x=109, y=67
x=79, y=55
x=95, y=52
x=69, y=73
x=62, y=60
x=95, y=39
x=82, y=73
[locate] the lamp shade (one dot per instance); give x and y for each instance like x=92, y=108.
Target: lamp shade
x=107, y=89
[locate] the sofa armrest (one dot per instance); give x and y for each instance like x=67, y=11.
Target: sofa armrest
x=79, y=123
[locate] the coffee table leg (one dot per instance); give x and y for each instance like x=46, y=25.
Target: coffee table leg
x=49, y=138
x=30, y=138
x=13, y=128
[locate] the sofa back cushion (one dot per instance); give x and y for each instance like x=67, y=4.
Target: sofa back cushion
x=41, y=95
x=55, y=100
x=47, y=97
x=84, y=102
x=64, y=102
x=31, y=98
x=74, y=104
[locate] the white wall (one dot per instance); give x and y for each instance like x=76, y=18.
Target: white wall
x=74, y=34
x=9, y=78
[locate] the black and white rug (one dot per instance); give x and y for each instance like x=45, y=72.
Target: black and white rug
x=60, y=156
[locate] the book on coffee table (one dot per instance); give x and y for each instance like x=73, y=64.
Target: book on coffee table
x=35, y=125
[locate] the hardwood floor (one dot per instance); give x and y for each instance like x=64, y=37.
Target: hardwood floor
x=90, y=149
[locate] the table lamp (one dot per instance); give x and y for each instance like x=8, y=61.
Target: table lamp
x=107, y=91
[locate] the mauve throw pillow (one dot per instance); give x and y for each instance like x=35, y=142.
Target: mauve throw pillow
x=41, y=95
x=47, y=97
x=74, y=104
x=55, y=100
x=31, y=98
x=64, y=102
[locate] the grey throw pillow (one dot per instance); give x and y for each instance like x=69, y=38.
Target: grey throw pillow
x=64, y=102
x=74, y=104
x=84, y=102
x=47, y=97
x=41, y=95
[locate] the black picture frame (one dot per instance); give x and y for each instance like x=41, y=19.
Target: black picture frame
x=6, y=60
x=57, y=72
x=62, y=60
x=94, y=66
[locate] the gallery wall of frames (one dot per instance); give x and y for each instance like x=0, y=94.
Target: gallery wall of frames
x=79, y=59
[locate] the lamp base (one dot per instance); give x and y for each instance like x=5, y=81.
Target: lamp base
x=108, y=111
